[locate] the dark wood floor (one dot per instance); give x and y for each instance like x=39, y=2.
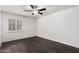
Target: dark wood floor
x=36, y=45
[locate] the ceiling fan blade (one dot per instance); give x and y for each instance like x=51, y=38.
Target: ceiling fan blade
x=32, y=6
x=28, y=10
x=40, y=13
x=43, y=9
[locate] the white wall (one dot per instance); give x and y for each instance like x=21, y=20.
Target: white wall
x=28, y=27
x=61, y=26
x=0, y=28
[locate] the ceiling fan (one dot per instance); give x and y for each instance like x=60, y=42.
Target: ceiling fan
x=35, y=10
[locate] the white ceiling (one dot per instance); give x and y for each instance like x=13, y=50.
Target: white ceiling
x=19, y=9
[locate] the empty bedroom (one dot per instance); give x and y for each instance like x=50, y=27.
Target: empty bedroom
x=39, y=28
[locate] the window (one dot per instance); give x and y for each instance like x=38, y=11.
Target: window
x=15, y=25
x=19, y=25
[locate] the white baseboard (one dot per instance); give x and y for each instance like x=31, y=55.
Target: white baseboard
x=60, y=42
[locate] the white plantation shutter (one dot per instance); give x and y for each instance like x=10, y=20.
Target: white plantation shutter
x=12, y=25
x=15, y=25
x=19, y=25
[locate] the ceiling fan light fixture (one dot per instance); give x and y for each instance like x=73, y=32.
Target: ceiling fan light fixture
x=35, y=12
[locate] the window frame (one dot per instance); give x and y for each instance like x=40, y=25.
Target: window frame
x=17, y=23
